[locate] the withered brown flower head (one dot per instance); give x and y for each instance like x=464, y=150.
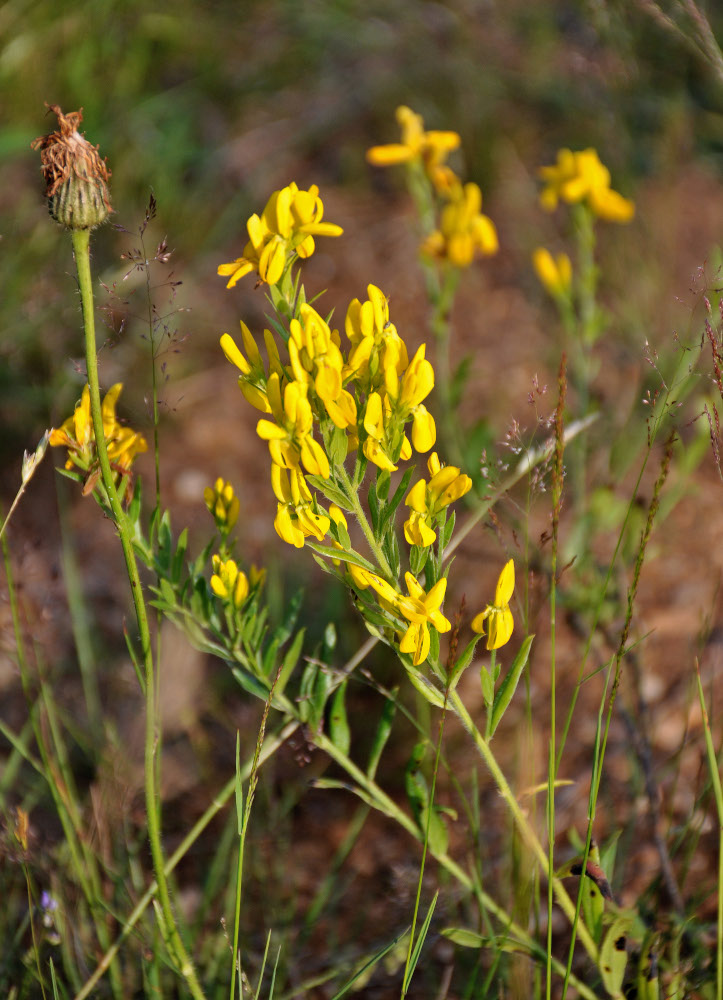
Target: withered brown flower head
x=75, y=175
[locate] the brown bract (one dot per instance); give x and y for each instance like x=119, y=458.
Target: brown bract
x=75, y=175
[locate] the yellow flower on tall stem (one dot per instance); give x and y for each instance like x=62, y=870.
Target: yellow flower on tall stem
x=431, y=149
x=581, y=177
x=498, y=615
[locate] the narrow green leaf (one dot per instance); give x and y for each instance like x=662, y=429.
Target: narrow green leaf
x=419, y=943
x=614, y=955
x=348, y=557
x=382, y=734
x=330, y=491
x=509, y=685
x=290, y=660
x=433, y=695
x=339, y=731
x=368, y=965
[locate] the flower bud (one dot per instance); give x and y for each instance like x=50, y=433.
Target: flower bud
x=75, y=175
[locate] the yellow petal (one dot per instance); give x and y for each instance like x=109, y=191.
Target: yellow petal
x=505, y=585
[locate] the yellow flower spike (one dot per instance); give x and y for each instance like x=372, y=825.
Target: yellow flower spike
x=223, y=504
x=581, y=177
x=257, y=575
x=229, y=582
x=500, y=618
x=555, y=273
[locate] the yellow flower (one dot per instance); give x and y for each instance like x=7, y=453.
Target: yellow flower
x=581, y=177
x=430, y=148
x=285, y=229
x=427, y=500
x=421, y=609
x=253, y=378
x=383, y=435
x=463, y=229
x=555, y=273
x=316, y=358
x=76, y=434
x=229, y=582
x=375, y=342
x=296, y=518
x=223, y=504
x=406, y=395
x=501, y=622
x=291, y=437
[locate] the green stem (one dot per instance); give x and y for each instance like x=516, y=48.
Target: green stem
x=361, y=517
x=81, y=246
x=528, y=834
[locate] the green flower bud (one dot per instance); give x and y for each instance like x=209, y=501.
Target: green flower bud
x=75, y=175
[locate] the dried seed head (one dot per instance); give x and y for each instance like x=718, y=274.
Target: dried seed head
x=75, y=175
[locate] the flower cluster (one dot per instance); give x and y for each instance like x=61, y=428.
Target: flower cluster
x=285, y=230
x=223, y=504
x=76, y=434
x=323, y=401
x=581, y=177
x=462, y=230
x=326, y=403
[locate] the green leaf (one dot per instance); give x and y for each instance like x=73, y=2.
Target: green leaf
x=367, y=965
x=382, y=734
x=433, y=695
x=509, y=685
x=417, y=559
x=330, y=491
x=177, y=565
x=339, y=732
x=446, y=531
x=416, y=952
x=463, y=661
x=614, y=955
x=383, y=481
x=347, y=557
x=393, y=504
x=249, y=683
x=488, y=686
x=290, y=660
